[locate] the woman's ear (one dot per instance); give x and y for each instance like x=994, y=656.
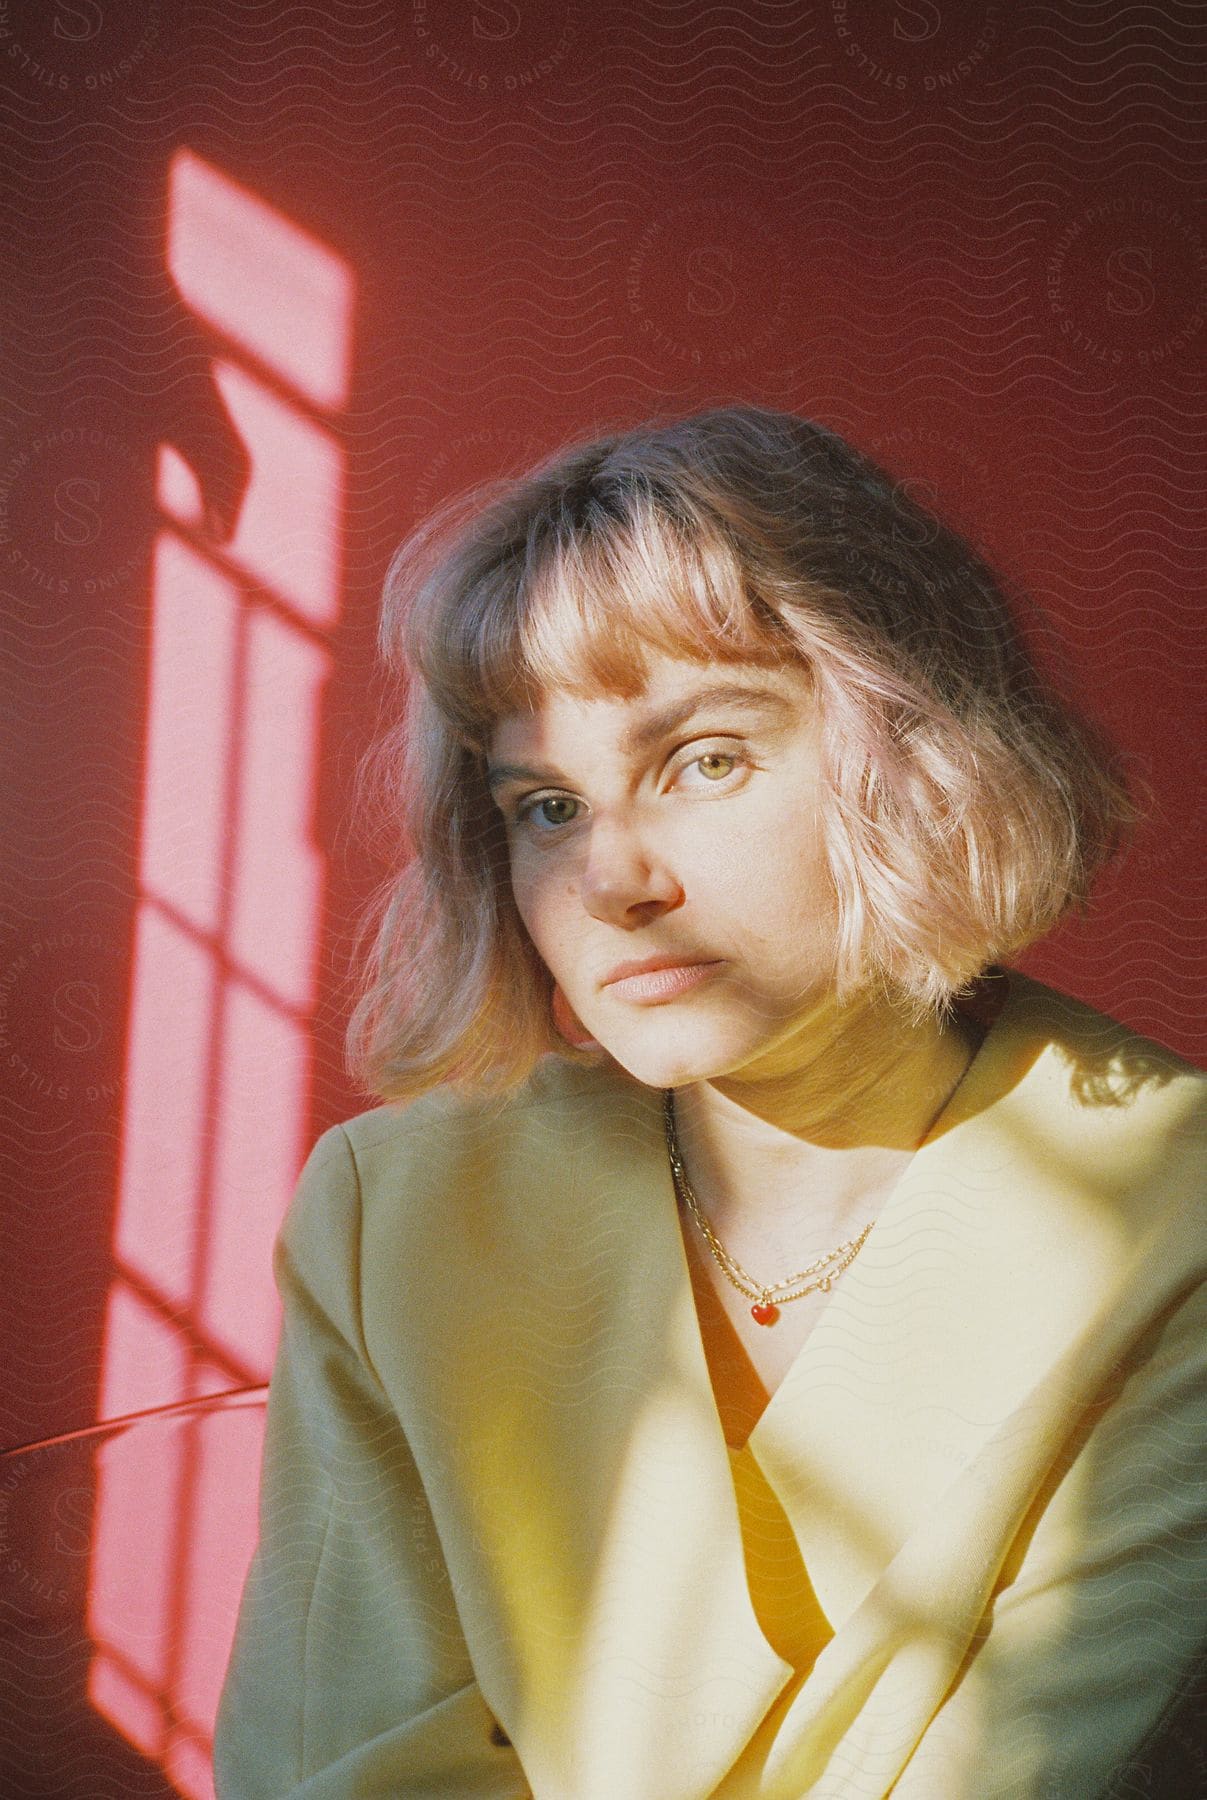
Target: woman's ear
x=568, y=1025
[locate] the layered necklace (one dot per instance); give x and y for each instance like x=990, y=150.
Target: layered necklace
x=767, y=1298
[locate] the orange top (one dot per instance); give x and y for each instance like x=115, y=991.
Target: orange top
x=786, y=1606
x=781, y=1592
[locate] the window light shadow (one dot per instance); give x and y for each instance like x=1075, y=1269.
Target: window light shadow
x=224, y=977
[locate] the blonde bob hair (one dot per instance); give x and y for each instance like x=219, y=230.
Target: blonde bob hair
x=966, y=807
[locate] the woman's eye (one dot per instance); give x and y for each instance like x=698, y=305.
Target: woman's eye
x=707, y=764
x=714, y=767
x=535, y=809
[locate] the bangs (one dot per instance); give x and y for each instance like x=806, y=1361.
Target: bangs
x=581, y=604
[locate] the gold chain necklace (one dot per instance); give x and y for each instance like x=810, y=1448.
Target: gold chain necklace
x=767, y=1299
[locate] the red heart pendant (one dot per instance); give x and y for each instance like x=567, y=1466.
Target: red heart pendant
x=764, y=1314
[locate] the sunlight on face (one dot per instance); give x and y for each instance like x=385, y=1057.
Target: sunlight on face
x=681, y=825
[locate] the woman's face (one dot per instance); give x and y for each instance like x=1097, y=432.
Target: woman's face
x=683, y=826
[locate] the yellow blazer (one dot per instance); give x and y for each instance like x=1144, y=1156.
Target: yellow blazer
x=501, y=1551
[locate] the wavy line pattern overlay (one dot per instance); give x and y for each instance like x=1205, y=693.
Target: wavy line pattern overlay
x=279, y=280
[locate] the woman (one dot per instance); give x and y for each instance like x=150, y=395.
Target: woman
x=755, y=1353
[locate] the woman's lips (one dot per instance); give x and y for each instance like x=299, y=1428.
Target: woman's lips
x=662, y=984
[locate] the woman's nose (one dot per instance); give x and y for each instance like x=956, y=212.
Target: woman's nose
x=624, y=875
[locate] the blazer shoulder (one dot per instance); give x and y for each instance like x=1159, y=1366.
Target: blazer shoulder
x=1105, y=1061
x=423, y=1143
x=1108, y=1110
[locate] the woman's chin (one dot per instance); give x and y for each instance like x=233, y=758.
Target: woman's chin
x=671, y=1063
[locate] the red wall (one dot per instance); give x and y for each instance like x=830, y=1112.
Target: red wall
x=973, y=238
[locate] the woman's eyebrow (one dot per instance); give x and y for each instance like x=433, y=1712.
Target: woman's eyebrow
x=648, y=730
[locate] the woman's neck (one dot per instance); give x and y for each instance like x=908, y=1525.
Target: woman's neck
x=824, y=1120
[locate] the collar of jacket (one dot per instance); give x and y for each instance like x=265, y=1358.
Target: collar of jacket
x=528, y=1307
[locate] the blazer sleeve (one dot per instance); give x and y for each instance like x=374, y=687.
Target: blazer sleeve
x=1083, y=1677
x=349, y=1674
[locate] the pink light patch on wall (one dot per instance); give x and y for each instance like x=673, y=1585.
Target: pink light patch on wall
x=195, y=624
x=276, y=871
x=287, y=536
x=256, y=1156
x=165, y=1127
x=283, y=296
